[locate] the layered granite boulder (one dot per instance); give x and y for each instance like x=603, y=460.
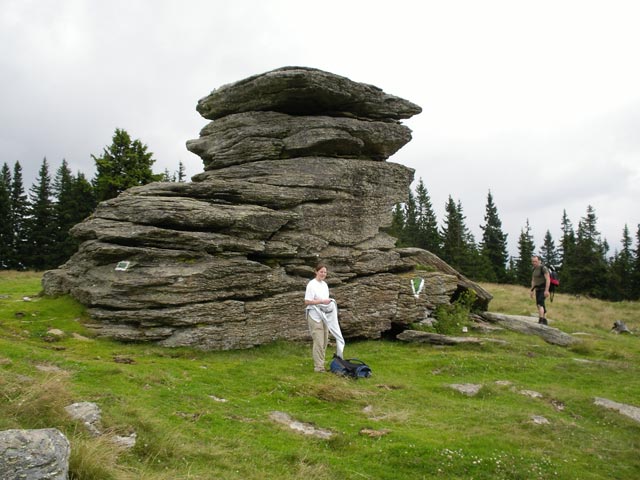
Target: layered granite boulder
x=295, y=173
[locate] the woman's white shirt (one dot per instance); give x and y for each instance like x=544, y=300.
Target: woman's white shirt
x=316, y=290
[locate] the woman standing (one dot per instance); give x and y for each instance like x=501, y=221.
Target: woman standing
x=322, y=318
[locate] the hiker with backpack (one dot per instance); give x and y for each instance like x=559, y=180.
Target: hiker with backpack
x=322, y=318
x=540, y=283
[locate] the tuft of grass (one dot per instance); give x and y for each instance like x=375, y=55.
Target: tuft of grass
x=34, y=403
x=95, y=458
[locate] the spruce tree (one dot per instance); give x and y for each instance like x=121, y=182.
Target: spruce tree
x=620, y=284
x=124, y=164
x=526, y=249
x=83, y=197
x=19, y=213
x=167, y=176
x=589, y=266
x=41, y=223
x=452, y=235
x=181, y=174
x=512, y=272
x=5, y=176
x=6, y=223
x=428, y=234
x=66, y=213
x=566, y=252
x=410, y=232
x=548, y=251
x=459, y=248
x=397, y=223
x=493, y=246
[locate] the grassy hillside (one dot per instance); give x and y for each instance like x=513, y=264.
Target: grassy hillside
x=206, y=415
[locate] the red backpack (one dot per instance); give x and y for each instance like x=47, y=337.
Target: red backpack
x=554, y=280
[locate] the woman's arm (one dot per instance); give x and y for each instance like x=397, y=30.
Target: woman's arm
x=326, y=301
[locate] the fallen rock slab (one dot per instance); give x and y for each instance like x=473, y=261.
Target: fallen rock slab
x=468, y=389
x=305, y=428
x=418, y=336
x=89, y=414
x=522, y=324
x=539, y=420
x=626, y=410
x=531, y=393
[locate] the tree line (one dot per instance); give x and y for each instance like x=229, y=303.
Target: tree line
x=580, y=255
x=34, y=226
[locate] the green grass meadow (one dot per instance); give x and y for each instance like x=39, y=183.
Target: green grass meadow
x=206, y=415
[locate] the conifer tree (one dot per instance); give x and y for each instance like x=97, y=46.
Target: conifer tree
x=512, y=273
x=69, y=209
x=428, y=234
x=493, y=246
x=6, y=223
x=589, y=266
x=397, y=223
x=410, y=233
x=19, y=213
x=123, y=164
x=566, y=251
x=181, y=174
x=5, y=176
x=548, y=251
x=620, y=284
x=452, y=235
x=458, y=244
x=41, y=223
x=83, y=197
x=167, y=176
x=475, y=265
x=526, y=249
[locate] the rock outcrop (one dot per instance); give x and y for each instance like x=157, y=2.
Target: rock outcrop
x=295, y=173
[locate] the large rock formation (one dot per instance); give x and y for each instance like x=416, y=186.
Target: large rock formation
x=295, y=173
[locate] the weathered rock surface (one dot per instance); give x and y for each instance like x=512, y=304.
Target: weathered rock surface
x=255, y=136
x=468, y=389
x=89, y=414
x=34, y=454
x=630, y=411
x=519, y=323
x=295, y=173
x=305, y=91
x=417, y=336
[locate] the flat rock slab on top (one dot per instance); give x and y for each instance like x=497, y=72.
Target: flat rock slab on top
x=305, y=91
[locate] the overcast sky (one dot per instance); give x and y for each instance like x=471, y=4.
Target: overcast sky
x=538, y=102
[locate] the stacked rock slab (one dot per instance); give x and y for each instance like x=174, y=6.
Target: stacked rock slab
x=295, y=174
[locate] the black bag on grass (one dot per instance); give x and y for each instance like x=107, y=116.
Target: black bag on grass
x=351, y=367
